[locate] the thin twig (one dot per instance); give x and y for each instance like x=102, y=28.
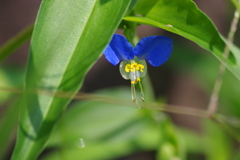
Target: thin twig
x=213, y=103
x=230, y=124
x=111, y=100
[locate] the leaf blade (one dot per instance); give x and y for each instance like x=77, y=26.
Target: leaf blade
x=185, y=19
x=61, y=54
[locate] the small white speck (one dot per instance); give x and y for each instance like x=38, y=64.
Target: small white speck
x=169, y=25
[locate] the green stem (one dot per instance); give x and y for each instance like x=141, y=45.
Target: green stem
x=141, y=91
x=213, y=103
x=130, y=32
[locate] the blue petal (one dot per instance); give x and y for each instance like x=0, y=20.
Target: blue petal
x=155, y=49
x=119, y=49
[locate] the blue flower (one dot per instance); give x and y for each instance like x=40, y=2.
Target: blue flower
x=154, y=49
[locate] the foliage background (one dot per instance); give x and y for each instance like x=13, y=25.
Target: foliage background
x=186, y=79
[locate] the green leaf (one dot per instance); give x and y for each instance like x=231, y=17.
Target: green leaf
x=68, y=38
x=98, y=121
x=108, y=130
x=13, y=44
x=192, y=140
x=236, y=4
x=8, y=125
x=236, y=156
x=216, y=141
x=182, y=17
x=144, y=6
x=170, y=144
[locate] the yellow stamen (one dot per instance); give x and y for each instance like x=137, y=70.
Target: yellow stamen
x=134, y=67
x=134, y=82
x=141, y=67
x=128, y=68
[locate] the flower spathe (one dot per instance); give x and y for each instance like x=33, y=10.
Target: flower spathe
x=154, y=49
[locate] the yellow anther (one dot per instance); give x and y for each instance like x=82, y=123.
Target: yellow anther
x=134, y=64
x=128, y=68
x=141, y=67
x=134, y=82
x=134, y=67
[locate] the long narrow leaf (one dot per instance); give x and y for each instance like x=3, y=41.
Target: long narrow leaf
x=183, y=17
x=17, y=41
x=68, y=38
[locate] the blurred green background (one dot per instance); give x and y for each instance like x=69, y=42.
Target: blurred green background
x=91, y=130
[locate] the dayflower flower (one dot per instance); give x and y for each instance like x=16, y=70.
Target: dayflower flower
x=154, y=49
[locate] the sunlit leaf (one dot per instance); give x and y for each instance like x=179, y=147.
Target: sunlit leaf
x=68, y=38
